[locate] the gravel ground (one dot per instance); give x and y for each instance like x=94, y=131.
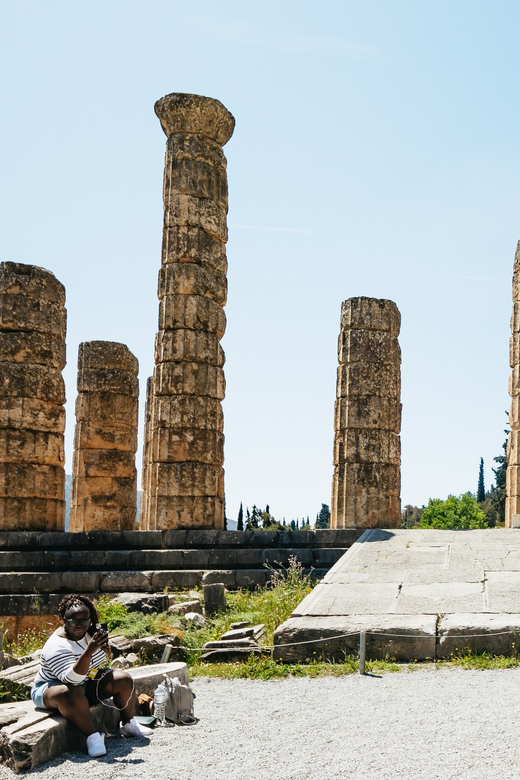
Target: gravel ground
x=445, y=723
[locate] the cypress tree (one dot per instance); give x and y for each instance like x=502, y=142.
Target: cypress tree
x=481, y=489
x=240, y=521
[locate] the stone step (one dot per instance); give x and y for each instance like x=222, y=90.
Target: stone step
x=28, y=736
x=176, y=539
x=74, y=560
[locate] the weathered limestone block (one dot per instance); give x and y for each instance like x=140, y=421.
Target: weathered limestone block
x=188, y=444
x=187, y=511
x=198, y=379
x=513, y=452
x=185, y=113
x=32, y=394
x=367, y=419
x=192, y=411
x=193, y=312
x=197, y=178
x=191, y=346
x=186, y=244
x=187, y=479
x=104, y=477
x=192, y=279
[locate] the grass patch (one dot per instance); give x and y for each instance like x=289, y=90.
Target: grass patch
x=481, y=661
x=267, y=669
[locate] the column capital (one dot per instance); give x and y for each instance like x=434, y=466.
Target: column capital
x=182, y=112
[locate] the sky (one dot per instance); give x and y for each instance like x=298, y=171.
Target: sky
x=375, y=153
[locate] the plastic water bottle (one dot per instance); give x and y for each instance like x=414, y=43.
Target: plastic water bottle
x=159, y=703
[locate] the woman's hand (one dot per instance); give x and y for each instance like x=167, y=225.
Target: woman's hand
x=99, y=641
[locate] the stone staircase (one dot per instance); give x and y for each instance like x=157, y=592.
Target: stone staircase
x=38, y=568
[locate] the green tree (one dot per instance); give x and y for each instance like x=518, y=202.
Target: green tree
x=323, y=517
x=456, y=512
x=411, y=516
x=481, y=488
x=498, y=493
x=240, y=521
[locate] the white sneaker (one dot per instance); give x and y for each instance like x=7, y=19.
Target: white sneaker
x=134, y=729
x=96, y=745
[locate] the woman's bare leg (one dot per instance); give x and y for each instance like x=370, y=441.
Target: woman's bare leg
x=120, y=686
x=72, y=703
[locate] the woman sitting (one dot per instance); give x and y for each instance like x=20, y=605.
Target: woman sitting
x=63, y=681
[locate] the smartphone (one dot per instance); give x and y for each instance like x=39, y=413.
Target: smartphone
x=102, y=627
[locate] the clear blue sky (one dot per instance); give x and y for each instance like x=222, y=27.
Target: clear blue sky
x=376, y=152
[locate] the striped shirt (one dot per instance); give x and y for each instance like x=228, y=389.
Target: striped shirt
x=59, y=656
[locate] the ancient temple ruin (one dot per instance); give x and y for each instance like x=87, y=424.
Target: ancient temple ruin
x=32, y=396
x=367, y=417
x=104, y=477
x=184, y=452
x=512, y=512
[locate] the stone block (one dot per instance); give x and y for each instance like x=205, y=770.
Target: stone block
x=185, y=607
x=108, y=381
x=28, y=380
x=95, y=437
x=22, y=279
x=296, y=538
x=157, y=559
x=207, y=214
x=186, y=512
x=175, y=538
x=120, y=490
x=142, y=539
x=109, y=410
x=207, y=538
x=103, y=463
x=121, y=581
x=514, y=349
x=265, y=538
x=497, y=634
x=195, y=559
x=513, y=448
x=362, y=379
x=189, y=346
x=81, y=581
x=257, y=633
x=135, y=602
x=31, y=347
x=106, y=355
x=195, y=148
x=234, y=538
x=28, y=446
x=186, y=479
x=75, y=560
x=41, y=514
x=283, y=557
x=197, y=379
x=230, y=655
x=192, y=279
x=153, y=646
x=327, y=557
x=33, y=582
x=177, y=580
x=336, y=537
x=513, y=481
x=227, y=577
x=252, y=578
x=370, y=347
x=214, y=598
x=170, y=445
x=367, y=411
x=29, y=480
x=187, y=411
x=28, y=313
x=32, y=414
x=186, y=244
x=370, y=314
x=235, y=556
x=367, y=445
x=100, y=511
x=514, y=413
x=181, y=112
x=196, y=178
x=193, y=312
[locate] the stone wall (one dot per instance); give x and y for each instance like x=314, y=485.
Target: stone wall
x=32, y=395
x=367, y=417
x=104, y=477
x=513, y=441
x=184, y=472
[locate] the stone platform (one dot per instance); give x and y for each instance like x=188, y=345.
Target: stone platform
x=419, y=594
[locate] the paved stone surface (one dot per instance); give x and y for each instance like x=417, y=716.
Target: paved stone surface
x=467, y=582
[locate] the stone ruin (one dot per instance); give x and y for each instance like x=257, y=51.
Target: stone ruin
x=183, y=471
x=367, y=417
x=104, y=477
x=32, y=396
x=513, y=440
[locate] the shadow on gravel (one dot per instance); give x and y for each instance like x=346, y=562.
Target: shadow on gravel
x=118, y=752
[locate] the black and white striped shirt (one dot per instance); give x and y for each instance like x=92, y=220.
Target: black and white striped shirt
x=60, y=654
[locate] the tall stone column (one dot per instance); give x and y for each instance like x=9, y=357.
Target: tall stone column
x=513, y=441
x=32, y=396
x=367, y=417
x=185, y=471
x=144, y=516
x=104, y=477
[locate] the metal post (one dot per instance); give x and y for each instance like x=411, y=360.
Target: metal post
x=166, y=653
x=362, y=651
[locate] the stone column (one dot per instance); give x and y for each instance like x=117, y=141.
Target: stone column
x=145, y=488
x=186, y=475
x=367, y=417
x=104, y=477
x=32, y=394
x=513, y=441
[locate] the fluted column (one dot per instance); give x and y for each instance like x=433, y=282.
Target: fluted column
x=104, y=477
x=367, y=417
x=185, y=470
x=513, y=441
x=32, y=396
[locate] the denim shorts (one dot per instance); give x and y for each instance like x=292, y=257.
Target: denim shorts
x=39, y=689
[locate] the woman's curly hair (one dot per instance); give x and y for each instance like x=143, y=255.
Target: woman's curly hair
x=74, y=600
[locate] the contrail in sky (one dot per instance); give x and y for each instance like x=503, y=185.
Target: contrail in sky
x=275, y=229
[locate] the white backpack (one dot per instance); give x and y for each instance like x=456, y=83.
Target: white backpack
x=179, y=704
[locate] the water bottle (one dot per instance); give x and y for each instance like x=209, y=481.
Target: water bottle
x=159, y=704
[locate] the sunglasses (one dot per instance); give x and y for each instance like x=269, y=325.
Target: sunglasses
x=78, y=622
